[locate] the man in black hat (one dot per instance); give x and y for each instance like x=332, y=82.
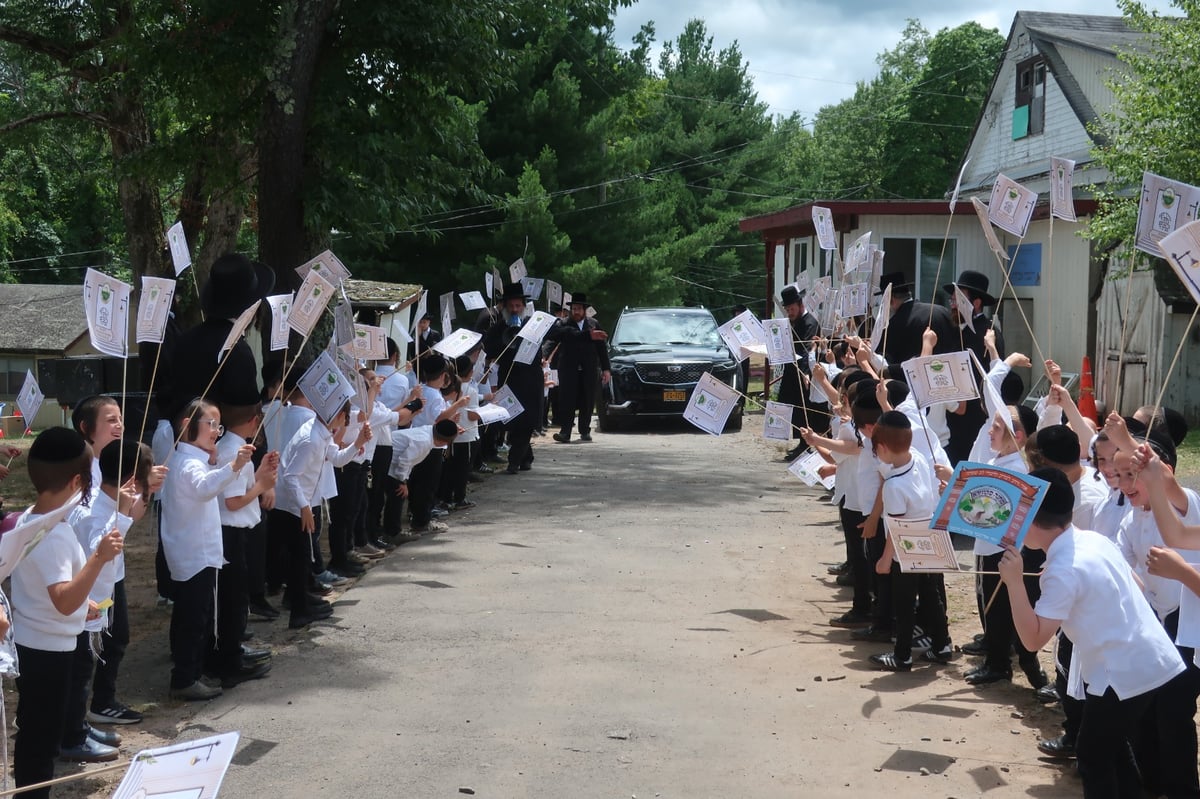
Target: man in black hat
x=793, y=385
x=525, y=379
x=581, y=357
x=426, y=338
x=906, y=327
x=234, y=284
x=965, y=423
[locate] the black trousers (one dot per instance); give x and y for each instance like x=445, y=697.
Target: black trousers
x=317, y=558
x=1166, y=752
x=576, y=393
x=42, y=692
x=345, y=510
x=520, y=451
x=162, y=572
x=856, y=556
x=192, y=626
x=233, y=602
x=299, y=557
x=114, y=642
x=422, y=486
x=1072, y=708
x=1105, y=757
x=929, y=612
x=256, y=561
x=75, y=726
x=383, y=506
x=455, y=471
x=882, y=617
x=997, y=622
x=963, y=430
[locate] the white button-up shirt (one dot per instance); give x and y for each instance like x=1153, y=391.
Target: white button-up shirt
x=409, y=447
x=191, y=525
x=303, y=463
x=251, y=514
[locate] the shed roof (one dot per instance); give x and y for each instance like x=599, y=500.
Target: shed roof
x=389, y=297
x=40, y=318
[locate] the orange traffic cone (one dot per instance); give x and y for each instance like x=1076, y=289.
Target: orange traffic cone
x=1087, y=391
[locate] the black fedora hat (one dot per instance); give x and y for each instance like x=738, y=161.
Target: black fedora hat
x=234, y=284
x=579, y=298
x=896, y=280
x=975, y=284
x=513, y=291
x=791, y=296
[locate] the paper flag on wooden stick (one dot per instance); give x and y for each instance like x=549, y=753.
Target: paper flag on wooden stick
x=966, y=310
x=853, y=299
x=780, y=348
x=710, y=404
x=181, y=256
x=554, y=293
x=989, y=503
x=883, y=315
x=325, y=387
x=239, y=327
x=312, y=298
x=823, y=222
x=472, y=301
x=1164, y=207
x=192, y=769
x=1011, y=206
x=742, y=332
x=281, y=307
x=533, y=287
x=1062, y=191
x=106, y=303
x=330, y=267
x=941, y=378
x=17, y=543
x=401, y=334
x=489, y=285
x=457, y=343
x=343, y=323
x=497, y=283
x=154, y=309
x=446, y=307
x=369, y=343
x=537, y=327
x=920, y=548
x=859, y=255
x=517, y=271
x=527, y=351
x=805, y=467
x=777, y=421
x=1182, y=251
x=30, y=399
x=989, y=232
x=958, y=185
x=420, y=311
x=506, y=399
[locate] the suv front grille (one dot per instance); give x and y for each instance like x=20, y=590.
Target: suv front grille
x=671, y=374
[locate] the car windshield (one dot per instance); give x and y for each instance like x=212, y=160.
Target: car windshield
x=666, y=327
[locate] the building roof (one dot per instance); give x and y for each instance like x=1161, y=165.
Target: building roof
x=1104, y=34
x=41, y=319
x=388, y=297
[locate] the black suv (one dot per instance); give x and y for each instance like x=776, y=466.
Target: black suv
x=658, y=355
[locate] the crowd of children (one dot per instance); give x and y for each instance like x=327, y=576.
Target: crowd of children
x=1097, y=573
x=243, y=493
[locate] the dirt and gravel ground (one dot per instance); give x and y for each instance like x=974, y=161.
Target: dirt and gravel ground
x=643, y=616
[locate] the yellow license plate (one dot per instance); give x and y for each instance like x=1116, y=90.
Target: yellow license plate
x=674, y=396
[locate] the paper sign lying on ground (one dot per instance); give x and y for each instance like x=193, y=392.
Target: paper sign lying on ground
x=1062, y=190
x=239, y=328
x=1165, y=206
x=989, y=503
x=190, y=770
x=823, y=222
x=805, y=467
x=472, y=300
x=537, y=327
x=948, y=377
x=18, y=542
x=325, y=387
x=457, y=343
x=1011, y=206
x=314, y=294
x=780, y=349
x=106, y=302
x=710, y=404
x=154, y=309
x=506, y=399
x=330, y=267
x=30, y=399
x=989, y=232
x=919, y=548
x=491, y=413
x=777, y=421
x=281, y=308
x=741, y=332
x=1182, y=251
x=181, y=256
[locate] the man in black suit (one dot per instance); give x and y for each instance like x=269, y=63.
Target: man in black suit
x=964, y=423
x=426, y=338
x=581, y=357
x=793, y=385
x=909, y=319
x=525, y=379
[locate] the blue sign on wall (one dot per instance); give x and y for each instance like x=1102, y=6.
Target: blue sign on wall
x=1025, y=265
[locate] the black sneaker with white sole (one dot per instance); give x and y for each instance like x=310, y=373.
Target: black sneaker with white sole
x=888, y=662
x=116, y=713
x=941, y=655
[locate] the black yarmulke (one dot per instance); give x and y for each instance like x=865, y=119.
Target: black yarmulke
x=1060, y=497
x=57, y=445
x=1058, y=444
x=895, y=419
x=112, y=459
x=446, y=429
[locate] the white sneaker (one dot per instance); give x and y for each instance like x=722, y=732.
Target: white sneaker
x=329, y=578
x=431, y=528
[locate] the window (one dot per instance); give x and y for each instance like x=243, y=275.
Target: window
x=918, y=259
x=1029, y=105
x=799, y=259
x=12, y=375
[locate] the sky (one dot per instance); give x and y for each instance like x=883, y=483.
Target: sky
x=805, y=54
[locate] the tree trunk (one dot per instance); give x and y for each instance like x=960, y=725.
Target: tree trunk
x=282, y=238
x=141, y=205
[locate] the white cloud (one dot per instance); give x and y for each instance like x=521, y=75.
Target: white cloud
x=805, y=54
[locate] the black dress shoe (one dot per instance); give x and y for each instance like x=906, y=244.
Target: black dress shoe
x=244, y=674
x=585, y=436
x=1037, y=678
x=254, y=655
x=986, y=674
x=263, y=609
x=978, y=647
x=792, y=454
x=526, y=466
x=1047, y=694
x=511, y=470
x=1057, y=747
x=562, y=438
x=845, y=580
x=106, y=737
x=246, y=636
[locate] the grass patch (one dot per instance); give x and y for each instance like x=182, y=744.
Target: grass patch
x=1189, y=459
x=16, y=489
